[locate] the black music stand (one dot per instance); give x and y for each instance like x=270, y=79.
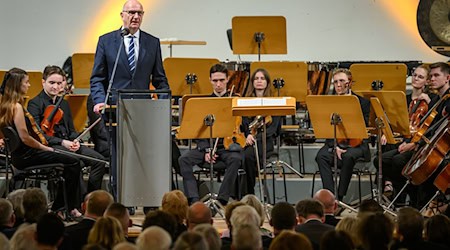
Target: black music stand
x=207, y=118
x=259, y=35
x=336, y=117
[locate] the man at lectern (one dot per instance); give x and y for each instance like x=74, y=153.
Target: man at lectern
x=139, y=63
x=200, y=155
x=348, y=151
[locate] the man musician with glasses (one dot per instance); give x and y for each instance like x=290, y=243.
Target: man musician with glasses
x=139, y=63
x=346, y=154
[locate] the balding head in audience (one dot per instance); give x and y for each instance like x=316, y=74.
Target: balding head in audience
x=328, y=200
x=198, y=213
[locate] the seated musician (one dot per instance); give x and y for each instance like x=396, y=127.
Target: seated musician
x=439, y=82
x=260, y=87
x=64, y=136
x=200, y=155
x=347, y=155
x=396, y=156
x=31, y=151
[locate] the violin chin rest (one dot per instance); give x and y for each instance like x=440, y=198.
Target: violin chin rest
x=235, y=147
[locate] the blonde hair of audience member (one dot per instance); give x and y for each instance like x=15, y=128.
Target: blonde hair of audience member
x=154, y=238
x=16, y=199
x=229, y=210
x=125, y=246
x=246, y=237
x=290, y=240
x=107, y=232
x=175, y=203
x=4, y=242
x=244, y=215
x=375, y=231
x=198, y=213
x=24, y=238
x=211, y=235
x=253, y=201
x=190, y=240
x=7, y=217
x=350, y=226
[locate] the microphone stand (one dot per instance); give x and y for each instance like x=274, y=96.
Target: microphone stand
x=108, y=96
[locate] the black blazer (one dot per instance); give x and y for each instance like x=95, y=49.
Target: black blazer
x=314, y=230
x=36, y=107
x=149, y=66
x=76, y=235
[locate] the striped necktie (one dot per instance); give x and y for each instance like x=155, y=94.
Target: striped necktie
x=131, y=55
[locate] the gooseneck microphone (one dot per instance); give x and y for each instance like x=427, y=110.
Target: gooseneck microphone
x=123, y=32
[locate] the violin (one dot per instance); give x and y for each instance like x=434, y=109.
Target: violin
x=35, y=132
x=258, y=123
x=236, y=141
x=417, y=110
x=53, y=114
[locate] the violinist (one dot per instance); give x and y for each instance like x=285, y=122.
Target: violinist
x=232, y=159
x=395, y=157
x=64, y=136
x=347, y=155
x=31, y=151
x=260, y=87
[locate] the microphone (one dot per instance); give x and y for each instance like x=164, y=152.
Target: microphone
x=124, y=32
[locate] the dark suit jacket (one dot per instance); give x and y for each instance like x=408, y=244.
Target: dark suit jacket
x=148, y=67
x=331, y=220
x=76, y=235
x=65, y=130
x=314, y=230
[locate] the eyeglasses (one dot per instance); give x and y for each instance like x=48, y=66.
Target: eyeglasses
x=133, y=12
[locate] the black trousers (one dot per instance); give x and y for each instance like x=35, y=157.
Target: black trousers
x=97, y=168
x=71, y=174
x=251, y=171
x=325, y=161
x=195, y=157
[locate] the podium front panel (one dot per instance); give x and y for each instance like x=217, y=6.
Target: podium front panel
x=143, y=151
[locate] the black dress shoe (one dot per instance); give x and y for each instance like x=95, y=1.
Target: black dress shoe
x=131, y=210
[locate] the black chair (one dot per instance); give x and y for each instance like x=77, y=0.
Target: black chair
x=52, y=173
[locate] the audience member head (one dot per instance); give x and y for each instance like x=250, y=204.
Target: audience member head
x=229, y=210
x=125, y=246
x=409, y=224
x=308, y=209
x=350, y=226
x=368, y=207
x=291, y=240
x=328, y=200
x=16, y=199
x=253, y=201
x=437, y=230
x=210, y=234
x=282, y=217
x=162, y=219
x=7, y=217
x=175, y=203
x=120, y=212
x=336, y=240
x=49, y=230
x=190, y=240
x=246, y=236
x=375, y=231
x=154, y=238
x=198, y=213
x=244, y=215
x=24, y=238
x=106, y=232
x=34, y=204
x=97, y=203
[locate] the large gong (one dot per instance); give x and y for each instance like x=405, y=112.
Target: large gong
x=433, y=22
